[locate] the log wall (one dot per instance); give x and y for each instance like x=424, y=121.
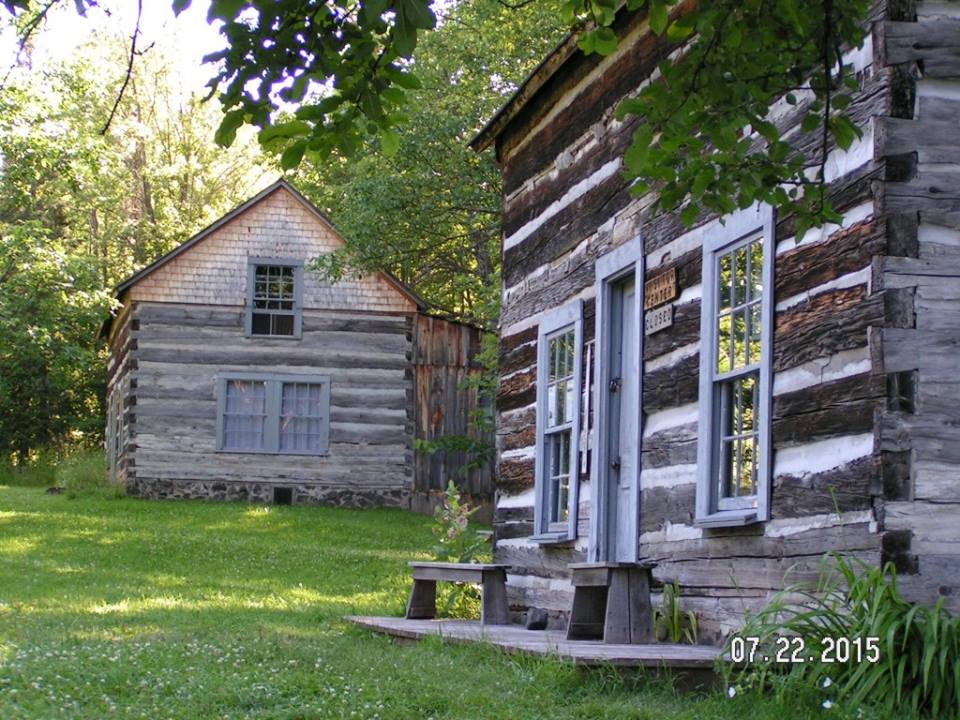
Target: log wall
x=837, y=480
x=180, y=349
x=920, y=427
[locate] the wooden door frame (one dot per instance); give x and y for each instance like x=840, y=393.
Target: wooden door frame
x=609, y=269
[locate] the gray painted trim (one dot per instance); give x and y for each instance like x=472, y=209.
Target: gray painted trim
x=297, y=265
x=563, y=317
x=738, y=228
x=613, y=266
x=274, y=389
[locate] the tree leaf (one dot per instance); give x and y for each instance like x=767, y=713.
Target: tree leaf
x=289, y=129
x=658, y=16
x=227, y=132
x=389, y=142
x=293, y=155
x=180, y=5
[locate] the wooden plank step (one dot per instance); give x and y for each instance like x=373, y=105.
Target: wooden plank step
x=515, y=639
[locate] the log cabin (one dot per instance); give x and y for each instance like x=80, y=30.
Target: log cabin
x=729, y=401
x=236, y=373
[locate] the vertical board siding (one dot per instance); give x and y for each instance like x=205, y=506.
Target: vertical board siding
x=446, y=399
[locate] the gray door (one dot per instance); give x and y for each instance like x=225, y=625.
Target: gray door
x=622, y=423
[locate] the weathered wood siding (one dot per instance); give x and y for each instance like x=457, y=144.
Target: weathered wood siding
x=566, y=203
x=180, y=349
x=214, y=272
x=445, y=403
x=920, y=430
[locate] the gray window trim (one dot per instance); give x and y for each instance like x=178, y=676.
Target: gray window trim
x=274, y=389
x=566, y=316
x=610, y=268
x=297, y=265
x=738, y=228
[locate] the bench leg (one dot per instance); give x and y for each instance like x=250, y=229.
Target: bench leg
x=586, y=615
x=629, y=615
x=422, y=604
x=493, y=593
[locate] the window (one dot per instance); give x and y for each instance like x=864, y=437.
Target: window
x=273, y=414
x=274, y=296
x=559, y=373
x=734, y=447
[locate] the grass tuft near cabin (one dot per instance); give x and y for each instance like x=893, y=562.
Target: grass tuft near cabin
x=142, y=609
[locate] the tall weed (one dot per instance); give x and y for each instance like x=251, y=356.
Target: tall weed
x=918, y=669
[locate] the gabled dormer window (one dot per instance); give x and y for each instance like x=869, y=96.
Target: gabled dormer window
x=274, y=298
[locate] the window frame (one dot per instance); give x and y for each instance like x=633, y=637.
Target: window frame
x=297, y=265
x=739, y=229
x=273, y=388
x=551, y=325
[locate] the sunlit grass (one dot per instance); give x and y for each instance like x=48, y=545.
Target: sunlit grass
x=136, y=609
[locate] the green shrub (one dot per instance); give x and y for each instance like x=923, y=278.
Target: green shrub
x=670, y=622
x=85, y=473
x=917, y=670
x=38, y=472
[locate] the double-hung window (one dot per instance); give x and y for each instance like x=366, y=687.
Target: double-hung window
x=274, y=298
x=273, y=413
x=734, y=454
x=559, y=388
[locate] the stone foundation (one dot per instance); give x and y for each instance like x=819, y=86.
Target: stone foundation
x=263, y=493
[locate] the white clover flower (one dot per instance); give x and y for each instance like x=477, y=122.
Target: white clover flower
x=827, y=682
x=827, y=704
x=731, y=691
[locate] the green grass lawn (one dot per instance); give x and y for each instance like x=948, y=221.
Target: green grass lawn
x=128, y=608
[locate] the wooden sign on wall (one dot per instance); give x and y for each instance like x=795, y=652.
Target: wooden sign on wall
x=658, y=319
x=660, y=289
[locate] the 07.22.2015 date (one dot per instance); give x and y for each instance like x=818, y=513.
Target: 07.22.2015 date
x=790, y=650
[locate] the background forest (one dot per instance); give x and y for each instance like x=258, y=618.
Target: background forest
x=82, y=208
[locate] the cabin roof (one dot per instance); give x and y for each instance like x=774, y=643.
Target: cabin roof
x=217, y=224
x=528, y=89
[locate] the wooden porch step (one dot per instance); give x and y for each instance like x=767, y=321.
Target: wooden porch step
x=491, y=577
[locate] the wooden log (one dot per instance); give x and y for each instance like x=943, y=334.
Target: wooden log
x=846, y=488
x=934, y=141
x=813, y=264
x=547, y=561
x=750, y=541
x=662, y=505
x=515, y=475
x=565, y=230
x=935, y=195
x=517, y=391
x=684, y=331
x=825, y=325
x=674, y=446
x=934, y=43
x=672, y=386
x=841, y=407
x=517, y=351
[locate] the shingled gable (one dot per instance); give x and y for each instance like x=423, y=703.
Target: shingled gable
x=280, y=184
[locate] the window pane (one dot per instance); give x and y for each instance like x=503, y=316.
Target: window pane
x=282, y=325
x=738, y=435
x=244, y=415
x=739, y=338
x=756, y=324
x=558, y=473
x=723, y=343
x=724, y=282
x=274, y=290
x=301, y=417
x=756, y=269
x=740, y=277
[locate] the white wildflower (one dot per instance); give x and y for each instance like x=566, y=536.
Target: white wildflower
x=827, y=682
x=731, y=691
x=827, y=704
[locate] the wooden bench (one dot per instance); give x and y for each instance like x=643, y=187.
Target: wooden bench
x=491, y=578
x=611, y=602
